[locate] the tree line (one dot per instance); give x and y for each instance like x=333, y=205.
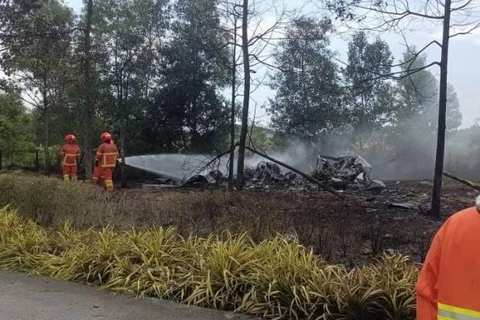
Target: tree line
x=155, y=73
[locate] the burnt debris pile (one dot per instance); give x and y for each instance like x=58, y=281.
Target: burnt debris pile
x=346, y=172
x=268, y=175
x=339, y=173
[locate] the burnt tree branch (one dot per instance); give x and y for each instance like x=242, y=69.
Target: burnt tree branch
x=464, y=181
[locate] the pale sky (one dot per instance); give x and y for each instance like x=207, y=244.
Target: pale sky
x=463, y=71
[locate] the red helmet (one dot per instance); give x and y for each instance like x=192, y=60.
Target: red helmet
x=70, y=138
x=106, y=137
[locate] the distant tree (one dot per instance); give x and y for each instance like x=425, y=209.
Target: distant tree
x=259, y=139
x=418, y=98
x=188, y=108
x=16, y=126
x=454, y=116
x=308, y=98
x=370, y=98
x=177, y=121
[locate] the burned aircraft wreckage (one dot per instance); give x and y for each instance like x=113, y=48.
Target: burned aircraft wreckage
x=339, y=173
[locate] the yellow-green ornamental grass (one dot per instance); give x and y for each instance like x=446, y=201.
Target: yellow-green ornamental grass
x=272, y=278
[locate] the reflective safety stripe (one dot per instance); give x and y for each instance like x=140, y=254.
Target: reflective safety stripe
x=69, y=155
x=109, y=185
x=109, y=165
x=447, y=312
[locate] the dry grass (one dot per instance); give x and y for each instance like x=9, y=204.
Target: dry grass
x=49, y=201
x=271, y=278
x=340, y=231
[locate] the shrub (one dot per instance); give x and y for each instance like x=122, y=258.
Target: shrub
x=272, y=278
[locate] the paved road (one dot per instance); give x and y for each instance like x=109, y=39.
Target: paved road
x=25, y=297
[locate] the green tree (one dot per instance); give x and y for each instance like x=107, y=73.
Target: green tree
x=308, y=98
x=42, y=66
x=369, y=96
x=15, y=23
x=418, y=98
x=125, y=33
x=16, y=126
x=189, y=112
x=259, y=139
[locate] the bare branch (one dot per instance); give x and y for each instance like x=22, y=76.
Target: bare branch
x=465, y=32
x=254, y=39
x=403, y=14
x=265, y=63
x=463, y=6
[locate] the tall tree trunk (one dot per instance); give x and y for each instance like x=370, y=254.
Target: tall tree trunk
x=46, y=115
x=123, y=172
x=246, y=97
x=232, y=115
x=442, y=111
x=123, y=119
x=88, y=99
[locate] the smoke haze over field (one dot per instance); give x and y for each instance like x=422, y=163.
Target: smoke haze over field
x=411, y=159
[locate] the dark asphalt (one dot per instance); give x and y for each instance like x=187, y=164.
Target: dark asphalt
x=34, y=298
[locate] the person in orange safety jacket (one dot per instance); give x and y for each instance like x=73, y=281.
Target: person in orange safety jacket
x=70, y=152
x=97, y=171
x=448, y=287
x=106, y=161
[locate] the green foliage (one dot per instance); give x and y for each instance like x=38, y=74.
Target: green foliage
x=259, y=139
x=369, y=94
x=40, y=58
x=50, y=201
x=15, y=125
x=417, y=100
x=16, y=130
x=188, y=112
x=124, y=48
x=308, y=98
x=272, y=278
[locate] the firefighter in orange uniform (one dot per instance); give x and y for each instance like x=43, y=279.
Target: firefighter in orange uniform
x=70, y=152
x=106, y=161
x=448, y=287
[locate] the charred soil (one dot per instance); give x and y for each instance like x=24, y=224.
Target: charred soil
x=350, y=231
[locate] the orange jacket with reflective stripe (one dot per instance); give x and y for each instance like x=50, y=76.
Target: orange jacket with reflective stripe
x=107, y=155
x=70, y=152
x=448, y=286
